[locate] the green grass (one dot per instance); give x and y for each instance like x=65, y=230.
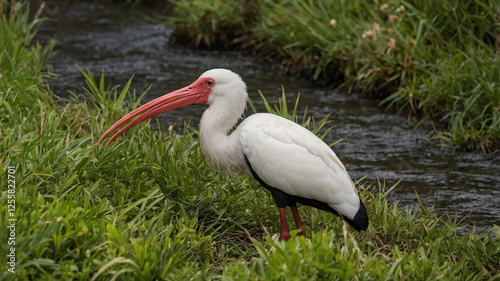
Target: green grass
x=436, y=59
x=148, y=207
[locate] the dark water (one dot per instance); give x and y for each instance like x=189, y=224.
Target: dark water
x=377, y=144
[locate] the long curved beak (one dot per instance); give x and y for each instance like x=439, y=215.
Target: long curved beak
x=180, y=98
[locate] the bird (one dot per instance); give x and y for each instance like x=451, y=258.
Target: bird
x=291, y=162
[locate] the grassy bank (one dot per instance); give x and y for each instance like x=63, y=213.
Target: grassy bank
x=437, y=59
x=148, y=207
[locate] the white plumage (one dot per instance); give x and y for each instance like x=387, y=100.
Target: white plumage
x=287, y=159
x=288, y=156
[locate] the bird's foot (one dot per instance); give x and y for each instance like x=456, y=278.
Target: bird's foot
x=284, y=236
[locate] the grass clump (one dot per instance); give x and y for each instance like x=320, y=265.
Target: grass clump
x=223, y=22
x=149, y=207
x=437, y=59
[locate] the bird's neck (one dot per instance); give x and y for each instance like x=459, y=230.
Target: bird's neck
x=221, y=149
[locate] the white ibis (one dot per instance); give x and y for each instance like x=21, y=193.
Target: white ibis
x=288, y=160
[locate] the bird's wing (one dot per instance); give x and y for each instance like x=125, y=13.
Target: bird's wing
x=289, y=157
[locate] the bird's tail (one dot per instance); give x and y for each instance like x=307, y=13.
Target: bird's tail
x=360, y=221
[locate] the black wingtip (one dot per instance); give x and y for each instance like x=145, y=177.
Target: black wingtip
x=360, y=221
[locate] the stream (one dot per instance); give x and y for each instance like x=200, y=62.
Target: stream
x=376, y=144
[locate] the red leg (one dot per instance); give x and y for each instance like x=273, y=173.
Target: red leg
x=298, y=222
x=284, y=235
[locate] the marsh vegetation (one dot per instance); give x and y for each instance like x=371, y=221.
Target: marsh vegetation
x=127, y=212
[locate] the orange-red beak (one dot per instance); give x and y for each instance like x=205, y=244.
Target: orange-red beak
x=195, y=93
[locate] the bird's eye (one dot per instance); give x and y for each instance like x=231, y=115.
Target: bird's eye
x=210, y=82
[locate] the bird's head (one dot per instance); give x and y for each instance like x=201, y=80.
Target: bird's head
x=224, y=85
x=216, y=87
